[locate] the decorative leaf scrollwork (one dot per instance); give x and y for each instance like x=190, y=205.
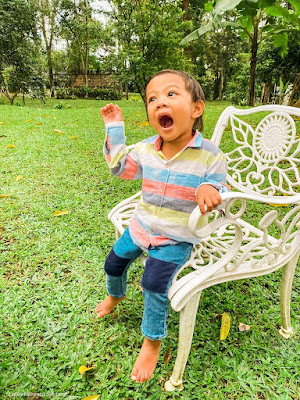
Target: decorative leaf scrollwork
x=267, y=159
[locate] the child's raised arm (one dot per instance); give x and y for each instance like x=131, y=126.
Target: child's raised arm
x=120, y=162
x=111, y=113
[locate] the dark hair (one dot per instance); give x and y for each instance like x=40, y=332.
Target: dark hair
x=192, y=86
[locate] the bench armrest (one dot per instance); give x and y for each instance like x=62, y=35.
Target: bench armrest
x=184, y=288
x=226, y=202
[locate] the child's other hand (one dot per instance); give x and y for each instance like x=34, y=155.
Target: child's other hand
x=209, y=196
x=111, y=113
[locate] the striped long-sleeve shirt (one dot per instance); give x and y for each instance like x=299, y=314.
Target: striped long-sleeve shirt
x=168, y=185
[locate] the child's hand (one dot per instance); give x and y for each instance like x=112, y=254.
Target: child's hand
x=111, y=113
x=209, y=196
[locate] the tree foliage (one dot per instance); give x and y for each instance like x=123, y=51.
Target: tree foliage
x=47, y=24
x=136, y=38
x=16, y=46
x=81, y=31
x=147, y=34
x=255, y=19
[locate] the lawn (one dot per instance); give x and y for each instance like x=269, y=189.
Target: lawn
x=51, y=277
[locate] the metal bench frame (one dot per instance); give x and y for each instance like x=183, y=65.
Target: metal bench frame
x=263, y=167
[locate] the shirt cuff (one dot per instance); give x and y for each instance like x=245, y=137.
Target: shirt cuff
x=115, y=123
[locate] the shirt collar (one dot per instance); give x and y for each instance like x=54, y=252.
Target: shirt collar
x=196, y=141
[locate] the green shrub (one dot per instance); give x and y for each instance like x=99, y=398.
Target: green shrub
x=106, y=94
x=63, y=93
x=80, y=91
x=85, y=91
x=237, y=86
x=59, y=106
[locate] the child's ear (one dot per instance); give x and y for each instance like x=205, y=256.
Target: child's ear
x=198, y=110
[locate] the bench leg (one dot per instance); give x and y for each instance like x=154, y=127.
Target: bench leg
x=186, y=331
x=285, y=296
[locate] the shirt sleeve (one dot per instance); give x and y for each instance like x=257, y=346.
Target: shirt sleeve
x=120, y=161
x=216, y=174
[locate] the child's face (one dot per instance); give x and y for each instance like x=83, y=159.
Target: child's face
x=171, y=110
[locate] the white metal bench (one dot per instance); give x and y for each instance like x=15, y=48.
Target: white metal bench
x=263, y=167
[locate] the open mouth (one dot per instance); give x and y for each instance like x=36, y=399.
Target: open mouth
x=165, y=121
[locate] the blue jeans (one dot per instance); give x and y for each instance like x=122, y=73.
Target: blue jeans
x=162, y=264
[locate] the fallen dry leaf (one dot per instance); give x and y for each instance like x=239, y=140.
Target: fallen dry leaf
x=58, y=131
x=144, y=123
x=225, y=326
x=73, y=137
x=46, y=115
x=280, y=205
x=138, y=286
x=93, y=397
x=19, y=177
x=2, y=196
x=83, y=369
x=29, y=120
x=243, y=327
x=10, y=146
x=38, y=123
x=167, y=356
x=2, y=123
x=34, y=396
x=62, y=212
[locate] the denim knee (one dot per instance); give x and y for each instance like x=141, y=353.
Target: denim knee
x=157, y=275
x=115, y=265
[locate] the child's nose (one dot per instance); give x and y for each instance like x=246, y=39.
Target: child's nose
x=161, y=103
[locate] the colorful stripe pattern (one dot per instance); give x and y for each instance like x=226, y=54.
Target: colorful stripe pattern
x=168, y=186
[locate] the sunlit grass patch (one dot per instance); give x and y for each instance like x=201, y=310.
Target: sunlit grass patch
x=51, y=276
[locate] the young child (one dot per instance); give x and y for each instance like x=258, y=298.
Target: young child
x=179, y=169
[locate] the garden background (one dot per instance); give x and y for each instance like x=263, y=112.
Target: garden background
x=56, y=191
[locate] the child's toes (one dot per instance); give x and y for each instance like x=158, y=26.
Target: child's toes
x=142, y=376
x=134, y=374
x=139, y=377
x=98, y=308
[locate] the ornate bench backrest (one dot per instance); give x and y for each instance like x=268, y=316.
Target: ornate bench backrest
x=264, y=159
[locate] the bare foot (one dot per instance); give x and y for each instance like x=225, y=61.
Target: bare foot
x=107, y=305
x=146, y=362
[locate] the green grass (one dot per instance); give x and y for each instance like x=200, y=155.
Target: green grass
x=52, y=277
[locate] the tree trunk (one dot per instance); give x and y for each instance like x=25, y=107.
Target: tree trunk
x=262, y=93
x=86, y=68
x=185, y=8
x=86, y=42
x=254, y=47
x=11, y=98
x=48, y=45
x=83, y=63
x=267, y=93
x=186, y=17
x=142, y=92
x=295, y=88
x=221, y=85
x=50, y=73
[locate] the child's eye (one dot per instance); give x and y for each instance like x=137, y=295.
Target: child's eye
x=172, y=94
x=151, y=99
